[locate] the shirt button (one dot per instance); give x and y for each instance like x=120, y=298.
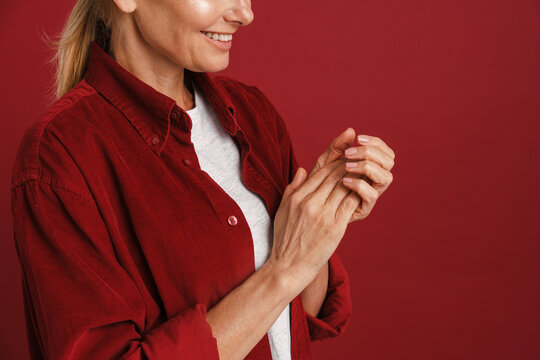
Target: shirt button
x=232, y=220
x=187, y=162
x=174, y=115
x=155, y=140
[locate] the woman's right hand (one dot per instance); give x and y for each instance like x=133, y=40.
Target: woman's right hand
x=311, y=221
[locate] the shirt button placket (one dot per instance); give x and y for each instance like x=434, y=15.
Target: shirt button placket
x=232, y=220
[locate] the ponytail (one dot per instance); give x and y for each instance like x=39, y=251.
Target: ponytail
x=89, y=20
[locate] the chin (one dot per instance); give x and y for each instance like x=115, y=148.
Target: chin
x=214, y=66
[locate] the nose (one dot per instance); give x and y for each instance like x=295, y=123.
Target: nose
x=240, y=12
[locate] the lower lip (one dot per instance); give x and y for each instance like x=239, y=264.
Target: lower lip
x=220, y=44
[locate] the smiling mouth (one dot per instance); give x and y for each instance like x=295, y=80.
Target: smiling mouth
x=217, y=36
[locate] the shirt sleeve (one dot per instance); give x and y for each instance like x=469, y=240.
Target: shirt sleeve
x=80, y=302
x=336, y=310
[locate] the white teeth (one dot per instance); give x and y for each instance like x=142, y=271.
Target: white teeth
x=219, y=37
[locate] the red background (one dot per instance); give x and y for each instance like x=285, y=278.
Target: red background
x=446, y=266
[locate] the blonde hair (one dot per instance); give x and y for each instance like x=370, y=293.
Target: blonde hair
x=89, y=20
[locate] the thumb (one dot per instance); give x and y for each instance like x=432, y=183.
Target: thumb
x=340, y=144
x=298, y=179
x=335, y=150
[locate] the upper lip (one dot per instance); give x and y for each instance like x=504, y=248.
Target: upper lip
x=217, y=32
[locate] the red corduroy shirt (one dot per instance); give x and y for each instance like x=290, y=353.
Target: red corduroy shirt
x=124, y=242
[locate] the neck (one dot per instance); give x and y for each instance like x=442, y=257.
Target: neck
x=141, y=60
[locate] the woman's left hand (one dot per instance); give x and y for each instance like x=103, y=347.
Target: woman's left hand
x=371, y=174
x=372, y=160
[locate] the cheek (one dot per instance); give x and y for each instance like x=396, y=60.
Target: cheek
x=200, y=14
x=173, y=28
x=200, y=7
x=177, y=20
x=161, y=27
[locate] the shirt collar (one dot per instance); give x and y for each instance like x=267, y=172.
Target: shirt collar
x=150, y=111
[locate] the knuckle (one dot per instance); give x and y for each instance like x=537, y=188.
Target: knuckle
x=367, y=152
x=335, y=175
x=373, y=195
x=357, y=216
x=309, y=206
x=319, y=164
x=324, y=171
x=294, y=200
x=364, y=166
x=333, y=148
x=349, y=203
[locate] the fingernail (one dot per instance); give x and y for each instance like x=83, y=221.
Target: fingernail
x=350, y=151
x=347, y=180
x=351, y=164
x=363, y=138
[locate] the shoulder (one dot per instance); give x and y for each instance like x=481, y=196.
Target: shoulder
x=42, y=153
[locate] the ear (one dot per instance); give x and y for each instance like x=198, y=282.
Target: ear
x=126, y=6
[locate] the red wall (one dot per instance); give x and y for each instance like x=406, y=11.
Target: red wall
x=446, y=266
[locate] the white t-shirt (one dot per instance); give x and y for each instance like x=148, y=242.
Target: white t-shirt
x=219, y=156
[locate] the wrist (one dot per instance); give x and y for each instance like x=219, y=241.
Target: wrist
x=285, y=280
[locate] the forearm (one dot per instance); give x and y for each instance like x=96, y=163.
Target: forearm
x=244, y=316
x=314, y=294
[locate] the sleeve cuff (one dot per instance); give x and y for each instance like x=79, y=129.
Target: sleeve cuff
x=187, y=335
x=336, y=309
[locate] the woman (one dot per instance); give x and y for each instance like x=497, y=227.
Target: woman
x=159, y=211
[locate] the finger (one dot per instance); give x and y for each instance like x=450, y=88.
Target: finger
x=328, y=185
x=299, y=178
x=368, y=194
x=347, y=207
x=339, y=192
x=377, y=142
x=374, y=171
x=313, y=182
x=371, y=153
x=335, y=150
